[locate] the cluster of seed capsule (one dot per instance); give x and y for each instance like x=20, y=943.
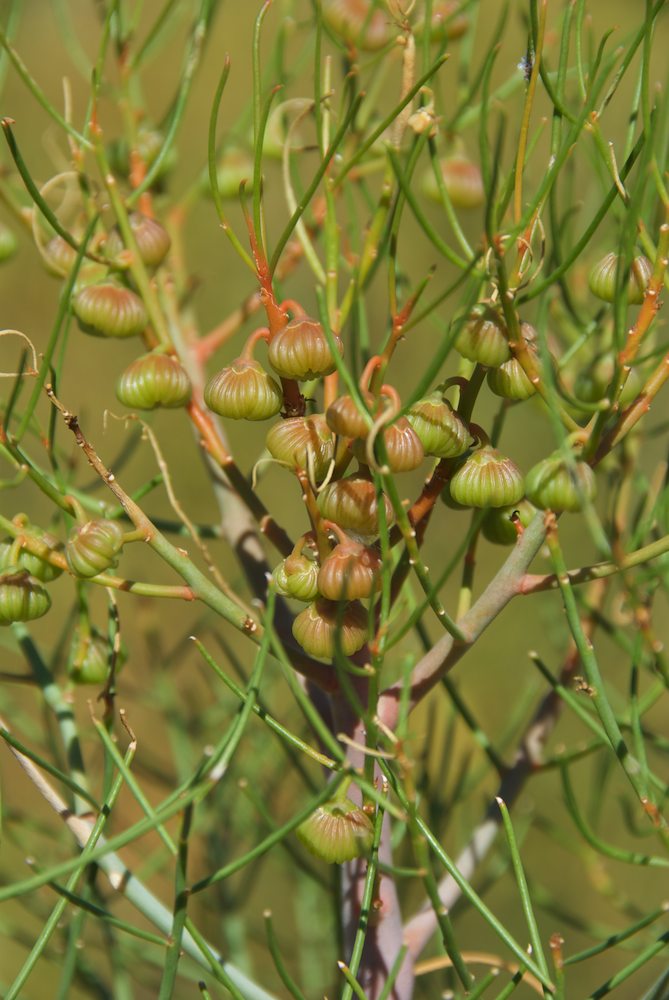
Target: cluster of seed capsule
x=351, y=511
x=93, y=547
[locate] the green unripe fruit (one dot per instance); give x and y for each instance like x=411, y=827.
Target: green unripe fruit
x=510, y=381
x=483, y=338
x=150, y=142
x=487, y=479
x=300, y=350
x=345, y=419
x=357, y=22
x=303, y=443
x=602, y=280
x=90, y=658
x=22, y=597
x=352, y=504
x=441, y=431
x=234, y=167
x=244, y=391
x=154, y=380
x=8, y=243
x=94, y=547
x=350, y=572
x=555, y=484
x=462, y=180
x=403, y=447
x=593, y=384
x=337, y=831
x=153, y=241
x=109, y=310
x=58, y=257
x=297, y=577
x=323, y=624
x=446, y=23
x=43, y=571
x=498, y=524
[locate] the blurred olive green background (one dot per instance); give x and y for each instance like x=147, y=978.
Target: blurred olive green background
x=496, y=678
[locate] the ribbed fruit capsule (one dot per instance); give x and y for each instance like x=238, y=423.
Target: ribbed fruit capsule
x=8, y=243
x=154, y=380
x=303, y=443
x=462, y=180
x=345, y=419
x=352, y=504
x=440, y=429
x=350, y=572
x=58, y=257
x=555, y=484
x=357, y=22
x=510, y=381
x=602, y=280
x=150, y=141
x=300, y=350
x=109, y=310
x=487, y=479
x=22, y=597
x=483, y=338
x=21, y=559
x=153, y=241
x=499, y=524
x=324, y=623
x=337, y=831
x=90, y=658
x=94, y=547
x=593, y=384
x=244, y=391
x=296, y=576
x=403, y=447
x=234, y=167
x=446, y=23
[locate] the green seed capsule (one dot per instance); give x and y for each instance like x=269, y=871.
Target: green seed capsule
x=244, y=391
x=90, y=658
x=337, y=831
x=94, y=547
x=510, y=381
x=153, y=241
x=8, y=243
x=483, y=338
x=462, y=180
x=303, y=443
x=154, y=380
x=440, y=429
x=403, y=447
x=352, y=504
x=555, y=484
x=499, y=524
x=22, y=597
x=357, y=23
x=350, y=572
x=297, y=577
x=345, y=419
x=602, y=280
x=318, y=628
x=109, y=310
x=43, y=571
x=300, y=350
x=150, y=142
x=487, y=479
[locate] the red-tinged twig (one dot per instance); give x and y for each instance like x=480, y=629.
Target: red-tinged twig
x=630, y=417
x=214, y=446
